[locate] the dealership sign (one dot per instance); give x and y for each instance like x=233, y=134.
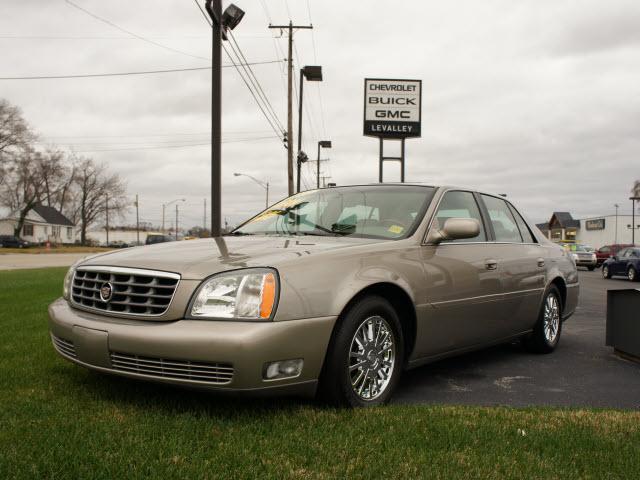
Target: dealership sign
x=597, y=224
x=392, y=108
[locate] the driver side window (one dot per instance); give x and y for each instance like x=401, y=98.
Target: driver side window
x=458, y=204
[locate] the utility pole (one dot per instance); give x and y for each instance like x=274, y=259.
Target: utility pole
x=176, y=221
x=107, y=215
x=290, y=142
x=163, y=207
x=204, y=216
x=137, y=222
x=324, y=181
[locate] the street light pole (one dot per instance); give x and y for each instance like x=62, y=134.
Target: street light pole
x=219, y=24
x=164, y=205
x=616, y=234
x=264, y=185
x=323, y=144
x=214, y=7
x=312, y=74
x=633, y=219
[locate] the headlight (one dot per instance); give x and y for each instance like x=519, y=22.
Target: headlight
x=574, y=257
x=594, y=257
x=244, y=295
x=68, y=278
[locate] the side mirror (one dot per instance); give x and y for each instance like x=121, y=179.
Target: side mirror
x=454, y=229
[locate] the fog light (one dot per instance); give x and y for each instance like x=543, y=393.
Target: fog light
x=283, y=369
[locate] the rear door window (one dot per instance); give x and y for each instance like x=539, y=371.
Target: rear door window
x=504, y=224
x=526, y=234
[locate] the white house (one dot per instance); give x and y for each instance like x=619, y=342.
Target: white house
x=42, y=224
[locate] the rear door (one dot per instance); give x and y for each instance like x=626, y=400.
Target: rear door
x=617, y=266
x=521, y=262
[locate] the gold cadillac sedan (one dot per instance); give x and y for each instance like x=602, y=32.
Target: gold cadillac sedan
x=333, y=291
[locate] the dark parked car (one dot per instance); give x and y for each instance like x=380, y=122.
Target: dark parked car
x=154, y=238
x=11, y=241
x=609, y=251
x=626, y=262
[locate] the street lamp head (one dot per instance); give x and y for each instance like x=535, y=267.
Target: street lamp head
x=313, y=73
x=237, y=174
x=231, y=17
x=325, y=143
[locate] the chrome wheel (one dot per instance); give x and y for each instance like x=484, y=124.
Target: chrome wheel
x=372, y=357
x=631, y=274
x=551, y=320
x=605, y=271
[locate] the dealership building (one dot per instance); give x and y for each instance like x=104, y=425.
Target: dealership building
x=594, y=231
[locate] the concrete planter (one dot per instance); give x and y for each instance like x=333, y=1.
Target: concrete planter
x=623, y=322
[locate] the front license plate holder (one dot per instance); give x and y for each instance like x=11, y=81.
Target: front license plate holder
x=92, y=346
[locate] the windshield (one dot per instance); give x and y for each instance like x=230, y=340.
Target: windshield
x=367, y=212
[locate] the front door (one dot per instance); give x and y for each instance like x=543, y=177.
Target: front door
x=462, y=284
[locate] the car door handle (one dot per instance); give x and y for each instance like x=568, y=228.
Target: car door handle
x=541, y=262
x=491, y=264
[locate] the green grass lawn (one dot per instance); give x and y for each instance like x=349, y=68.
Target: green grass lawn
x=58, y=420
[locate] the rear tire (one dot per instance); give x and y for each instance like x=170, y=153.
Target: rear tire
x=365, y=357
x=632, y=274
x=605, y=272
x=546, y=333
x=591, y=269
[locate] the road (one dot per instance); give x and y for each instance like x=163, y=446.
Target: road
x=15, y=261
x=581, y=372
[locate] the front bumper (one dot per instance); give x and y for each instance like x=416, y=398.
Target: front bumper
x=586, y=263
x=178, y=352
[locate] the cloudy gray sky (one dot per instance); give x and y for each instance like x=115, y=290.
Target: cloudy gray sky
x=539, y=99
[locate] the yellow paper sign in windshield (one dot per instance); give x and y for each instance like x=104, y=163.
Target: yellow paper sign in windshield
x=395, y=229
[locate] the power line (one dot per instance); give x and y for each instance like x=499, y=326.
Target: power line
x=256, y=82
x=253, y=94
x=315, y=59
x=121, y=74
x=156, y=147
x=206, y=17
x=140, y=37
x=226, y=132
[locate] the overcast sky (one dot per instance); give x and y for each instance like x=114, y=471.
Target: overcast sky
x=538, y=99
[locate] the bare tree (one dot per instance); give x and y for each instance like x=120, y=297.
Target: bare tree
x=94, y=187
x=24, y=185
x=58, y=176
x=635, y=191
x=15, y=136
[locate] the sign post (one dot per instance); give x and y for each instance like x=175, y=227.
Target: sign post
x=392, y=111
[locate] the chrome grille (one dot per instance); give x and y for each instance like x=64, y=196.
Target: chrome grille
x=215, y=373
x=63, y=346
x=134, y=291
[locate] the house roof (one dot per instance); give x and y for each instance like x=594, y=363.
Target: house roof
x=52, y=216
x=543, y=226
x=564, y=219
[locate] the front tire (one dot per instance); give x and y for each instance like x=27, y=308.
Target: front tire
x=632, y=274
x=605, y=272
x=591, y=269
x=546, y=333
x=366, y=355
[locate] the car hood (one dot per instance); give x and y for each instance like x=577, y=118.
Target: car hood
x=197, y=259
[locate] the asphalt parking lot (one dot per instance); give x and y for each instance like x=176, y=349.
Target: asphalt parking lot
x=582, y=372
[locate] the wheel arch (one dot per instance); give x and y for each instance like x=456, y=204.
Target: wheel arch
x=561, y=285
x=401, y=302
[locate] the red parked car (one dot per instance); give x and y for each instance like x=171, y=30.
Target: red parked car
x=609, y=251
